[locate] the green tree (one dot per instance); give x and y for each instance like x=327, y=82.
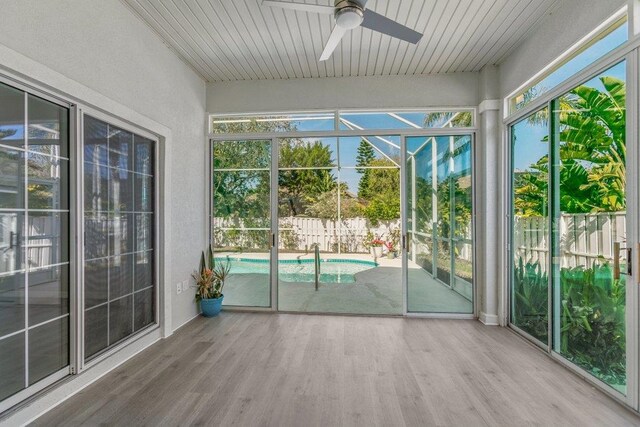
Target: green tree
x=384, y=190
x=365, y=156
x=308, y=178
x=592, y=154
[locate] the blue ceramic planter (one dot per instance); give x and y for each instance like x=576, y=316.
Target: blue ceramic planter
x=211, y=307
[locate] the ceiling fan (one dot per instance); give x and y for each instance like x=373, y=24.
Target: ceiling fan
x=349, y=14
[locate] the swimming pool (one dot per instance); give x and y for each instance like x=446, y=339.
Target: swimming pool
x=302, y=270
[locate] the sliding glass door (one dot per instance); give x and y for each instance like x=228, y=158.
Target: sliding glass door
x=439, y=224
x=241, y=219
x=34, y=241
x=569, y=227
x=339, y=239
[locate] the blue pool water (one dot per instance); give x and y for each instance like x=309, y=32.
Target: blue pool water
x=294, y=270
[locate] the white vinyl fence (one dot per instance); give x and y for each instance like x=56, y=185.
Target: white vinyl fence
x=300, y=234
x=584, y=238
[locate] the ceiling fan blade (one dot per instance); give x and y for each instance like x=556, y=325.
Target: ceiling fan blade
x=334, y=40
x=302, y=7
x=382, y=24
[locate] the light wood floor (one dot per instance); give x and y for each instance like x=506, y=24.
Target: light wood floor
x=250, y=369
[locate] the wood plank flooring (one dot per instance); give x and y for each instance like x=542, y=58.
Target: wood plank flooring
x=251, y=369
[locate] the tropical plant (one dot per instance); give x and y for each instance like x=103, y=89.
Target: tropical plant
x=210, y=276
x=530, y=285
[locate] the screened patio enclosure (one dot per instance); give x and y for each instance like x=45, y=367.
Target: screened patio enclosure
x=346, y=212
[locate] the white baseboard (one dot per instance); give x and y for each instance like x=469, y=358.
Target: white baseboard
x=489, y=319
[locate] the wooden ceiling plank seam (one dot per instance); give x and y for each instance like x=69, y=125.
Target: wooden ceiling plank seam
x=376, y=39
x=443, y=22
x=250, y=59
x=396, y=43
x=312, y=31
x=264, y=37
x=385, y=40
x=292, y=16
x=500, y=30
x=521, y=28
x=283, y=14
x=448, y=34
x=199, y=48
x=177, y=34
x=168, y=41
x=271, y=27
x=470, y=20
x=552, y=6
x=434, y=17
x=297, y=72
x=204, y=41
x=391, y=41
x=454, y=63
x=397, y=65
x=225, y=39
x=485, y=38
x=256, y=40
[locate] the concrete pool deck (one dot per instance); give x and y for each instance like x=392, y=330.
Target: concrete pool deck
x=377, y=290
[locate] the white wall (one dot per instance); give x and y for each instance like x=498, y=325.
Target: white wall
x=460, y=89
x=573, y=20
x=102, y=46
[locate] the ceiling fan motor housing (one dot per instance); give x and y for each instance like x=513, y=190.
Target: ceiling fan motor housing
x=349, y=14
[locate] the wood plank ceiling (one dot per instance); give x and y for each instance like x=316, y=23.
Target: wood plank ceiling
x=227, y=40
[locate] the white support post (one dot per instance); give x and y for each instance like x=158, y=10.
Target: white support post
x=488, y=195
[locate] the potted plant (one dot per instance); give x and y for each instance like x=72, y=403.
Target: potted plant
x=391, y=252
x=209, y=285
x=376, y=247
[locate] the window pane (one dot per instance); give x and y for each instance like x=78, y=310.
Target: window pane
x=273, y=123
x=48, y=128
x=589, y=187
x=96, y=188
x=12, y=241
x=120, y=319
x=242, y=154
x=118, y=238
x=48, y=349
x=120, y=147
x=48, y=182
x=48, y=293
x=308, y=153
x=370, y=151
x=406, y=119
x=121, y=275
x=602, y=45
x=530, y=182
x=96, y=330
x=11, y=365
x=143, y=308
x=11, y=116
x=11, y=178
x=13, y=303
x=242, y=198
x=96, y=279
x=48, y=241
x=95, y=141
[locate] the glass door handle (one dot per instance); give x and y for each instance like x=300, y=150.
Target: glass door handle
x=629, y=262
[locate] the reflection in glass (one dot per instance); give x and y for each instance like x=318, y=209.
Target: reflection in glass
x=273, y=123
x=48, y=182
x=12, y=365
x=97, y=326
x=143, y=309
x=13, y=303
x=47, y=238
x=120, y=320
x=11, y=241
x=118, y=238
x=12, y=116
x=11, y=179
x=48, y=128
x=48, y=293
x=439, y=205
x=589, y=190
x=48, y=349
x=406, y=119
x=530, y=182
